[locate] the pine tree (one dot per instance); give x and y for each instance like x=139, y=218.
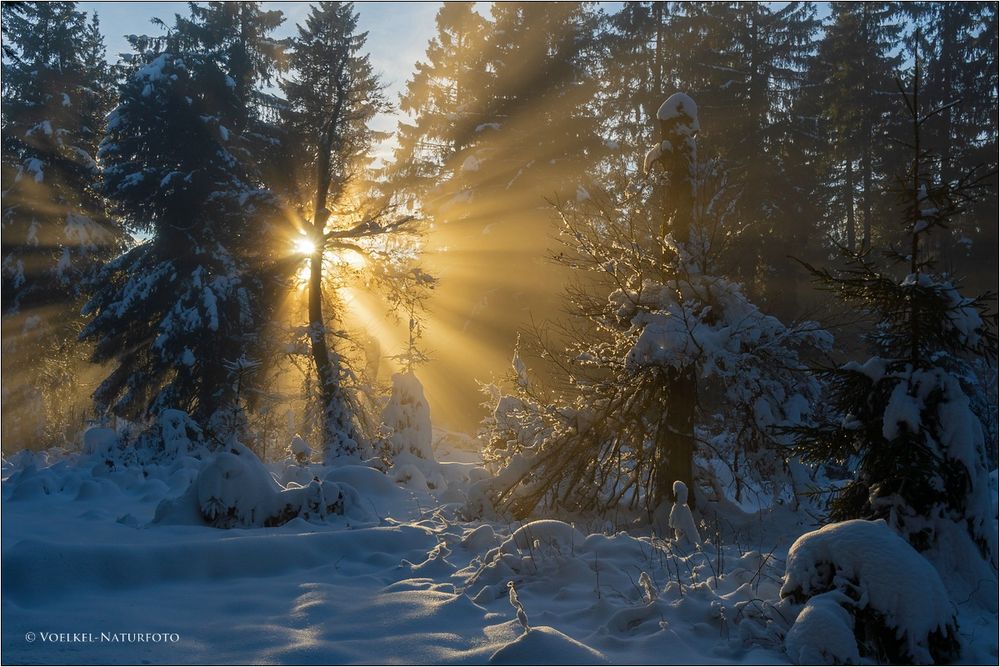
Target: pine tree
x=180, y=312
x=902, y=419
x=56, y=231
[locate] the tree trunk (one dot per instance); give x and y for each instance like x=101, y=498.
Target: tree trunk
x=675, y=442
x=658, y=53
x=866, y=189
x=675, y=437
x=849, y=202
x=339, y=438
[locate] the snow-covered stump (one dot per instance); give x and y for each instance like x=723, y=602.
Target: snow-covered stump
x=868, y=593
x=300, y=450
x=681, y=519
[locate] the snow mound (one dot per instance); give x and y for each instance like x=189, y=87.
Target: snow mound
x=883, y=581
x=300, y=449
x=546, y=532
x=546, y=646
x=823, y=633
x=100, y=442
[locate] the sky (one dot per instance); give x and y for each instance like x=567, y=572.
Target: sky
x=398, y=33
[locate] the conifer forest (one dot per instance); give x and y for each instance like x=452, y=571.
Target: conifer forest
x=514, y=333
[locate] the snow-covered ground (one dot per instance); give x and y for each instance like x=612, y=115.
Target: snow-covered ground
x=405, y=581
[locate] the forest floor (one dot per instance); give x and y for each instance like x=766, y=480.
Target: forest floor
x=416, y=585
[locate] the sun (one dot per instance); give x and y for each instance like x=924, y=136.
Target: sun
x=304, y=246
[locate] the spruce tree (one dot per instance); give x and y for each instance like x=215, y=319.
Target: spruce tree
x=958, y=42
x=902, y=420
x=236, y=35
x=441, y=100
x=56, y=231
x=746, y=68
x=853, y=72
x=56, y=89
x=180, y=312
x=524, y=133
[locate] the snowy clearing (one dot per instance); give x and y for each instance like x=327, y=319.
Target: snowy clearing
x=412, y=584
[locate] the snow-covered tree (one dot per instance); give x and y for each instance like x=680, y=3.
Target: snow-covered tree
x=333, y=95
x=655, y=323
x=56, y=230
x=237, y=36
x=903, y=419
x=178, y=311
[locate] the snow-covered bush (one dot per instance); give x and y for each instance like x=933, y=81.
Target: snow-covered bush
x=896, y=605
x=823, y=633
x=99, y=441
x=178, y=434
x=235, y=490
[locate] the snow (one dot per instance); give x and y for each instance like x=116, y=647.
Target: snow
x=398, y=573
x=44, y=127
x=823, y=633
x=32, y=166
x=680, y=106
x=408, y=417
x=99, y=441
x=902, y=410
x=153, y=71
x=681, y=519
x=874, y=568
x=300, y=449
x=546, y=646
x=652, y=156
